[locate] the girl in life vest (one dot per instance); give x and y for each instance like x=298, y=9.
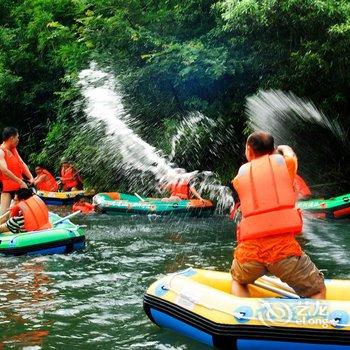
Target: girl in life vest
x=70, y=178
x=83, y=206
x=29, y=213
x=44, y=180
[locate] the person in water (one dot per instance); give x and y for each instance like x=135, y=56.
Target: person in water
x=12, y=168
x=44, y=180
x=29, y=213
x=270, y=221
x=82, y=205
x=70, y=178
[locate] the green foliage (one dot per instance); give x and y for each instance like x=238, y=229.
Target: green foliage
x=170, y=57
x=38, y=46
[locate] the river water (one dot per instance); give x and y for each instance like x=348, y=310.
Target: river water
x=93, y=299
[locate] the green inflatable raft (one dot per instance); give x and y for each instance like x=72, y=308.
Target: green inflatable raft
x=115, y=202
x=332, y=208
x=64, y=237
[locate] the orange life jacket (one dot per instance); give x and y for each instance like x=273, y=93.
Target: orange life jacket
x=15, y=165
x=35, y=212
x=68, y=178
x=301, y=188
x=180, y=189
x=85, y=207
x=267, y=197
x=49, y=183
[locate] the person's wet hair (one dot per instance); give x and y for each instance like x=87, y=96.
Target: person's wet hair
x=78, y=198
x=9, y=132
x=24, y=193
x=41, y=166
x=261, y=142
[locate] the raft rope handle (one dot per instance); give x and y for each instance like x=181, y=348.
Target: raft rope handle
x=209, y=307
x=282, y=290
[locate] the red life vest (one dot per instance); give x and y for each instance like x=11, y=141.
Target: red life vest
x=35, y=212
x=15, y=165
x=301, y=188
x=85, y=208
x=49, y=183
x=68, y=178
x=180, y=189
x=267, y=197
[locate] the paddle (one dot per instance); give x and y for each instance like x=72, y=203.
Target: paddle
x=139, y=197
x=277, y=283
x=67, y=217
x=276, y=290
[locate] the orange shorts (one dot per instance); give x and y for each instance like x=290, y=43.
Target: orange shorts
x=299, y=272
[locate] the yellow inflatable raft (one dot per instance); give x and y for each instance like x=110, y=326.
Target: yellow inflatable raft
x=63, y=198
x=197, y=303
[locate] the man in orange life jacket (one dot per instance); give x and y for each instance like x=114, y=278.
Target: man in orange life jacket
x=29, y=213
x=301, y=189
x=12, y=168
x=270, y=221
x=44, y=181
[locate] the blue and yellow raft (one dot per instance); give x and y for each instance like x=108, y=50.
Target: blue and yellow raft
x=197, y=303
x=63, y=198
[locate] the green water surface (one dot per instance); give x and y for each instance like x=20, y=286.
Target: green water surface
x=93, y=299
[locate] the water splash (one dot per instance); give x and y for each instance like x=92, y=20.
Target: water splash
x=270, y=110
x=189, y=130
x=126, y=150
x=321, y=143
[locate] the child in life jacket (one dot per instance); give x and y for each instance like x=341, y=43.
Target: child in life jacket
x=270, y=222
x=29, y=213
x=82, y=205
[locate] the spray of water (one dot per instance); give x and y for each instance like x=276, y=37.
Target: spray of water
x=320, y=142
x=104, y=104
x=271, y=110
x=189, y=130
